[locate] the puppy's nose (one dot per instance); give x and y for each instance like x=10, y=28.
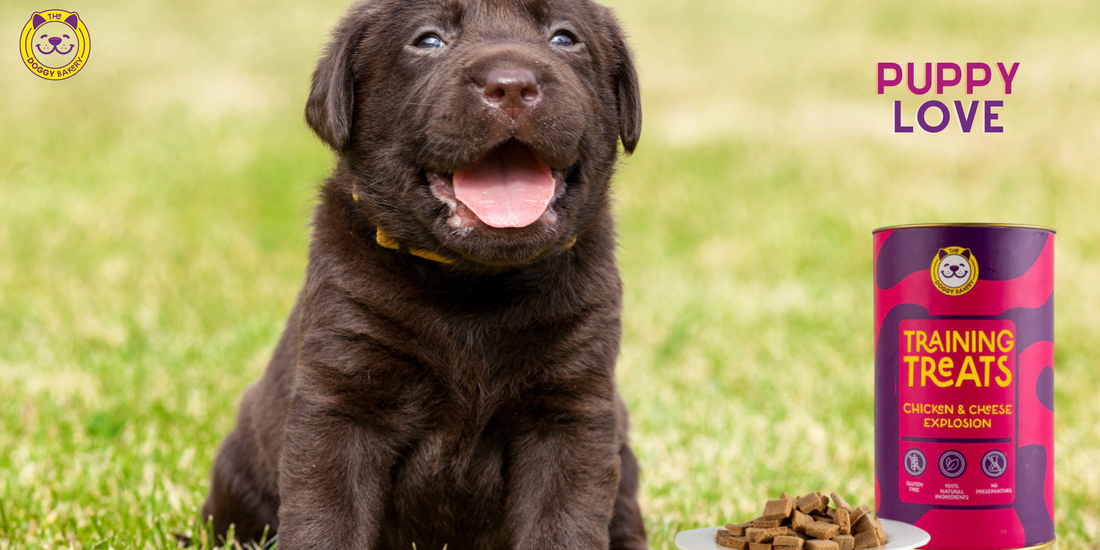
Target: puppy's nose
x=512, y=90
x=954, y=268
x=55, y=40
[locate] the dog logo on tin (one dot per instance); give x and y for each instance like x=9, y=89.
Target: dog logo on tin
x=954, y=270
x=55, y=44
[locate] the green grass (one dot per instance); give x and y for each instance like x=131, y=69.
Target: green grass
x=153, y=229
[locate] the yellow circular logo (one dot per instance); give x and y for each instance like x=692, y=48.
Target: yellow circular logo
x=55, y=44
x=954, y=270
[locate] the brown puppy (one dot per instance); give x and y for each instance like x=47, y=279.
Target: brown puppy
x=458, y=390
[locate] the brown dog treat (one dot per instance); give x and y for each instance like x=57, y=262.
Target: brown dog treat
x=844, y=520
x=880, y=531
x=766, y=535
x=822, y=530
x=866, y=522
x=778, y=509
x=823, y=518
x=821, y=545
x=809, y=503
x=759, y=546
x=867, y=539
x=846, y=542
x=737, y=543
x=788, y=541
x=767, y=523
x=751, y=532
x=799, y=521
x=858, y=512
x=721, y=538
x=794, y=504
x=824, y=500
x=840, y=503
x=769, y=534
x=737, y=530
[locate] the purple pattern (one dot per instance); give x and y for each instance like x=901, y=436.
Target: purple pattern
x=897, y=261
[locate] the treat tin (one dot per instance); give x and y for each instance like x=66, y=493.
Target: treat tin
x=964, y=383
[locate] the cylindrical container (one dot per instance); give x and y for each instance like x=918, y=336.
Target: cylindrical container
x=964, y=383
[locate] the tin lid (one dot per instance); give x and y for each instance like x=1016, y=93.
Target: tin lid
x=989, y=225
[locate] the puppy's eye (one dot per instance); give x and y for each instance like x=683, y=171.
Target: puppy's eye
x=563, y=39
x=65, y=35
x=429, y=41
x=43, y=36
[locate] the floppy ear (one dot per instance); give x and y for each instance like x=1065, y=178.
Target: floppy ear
x=37, y=20
x=330, y=106
x=625, y=80
x=72, y=20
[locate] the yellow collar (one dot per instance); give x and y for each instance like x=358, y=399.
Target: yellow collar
x=387, y=242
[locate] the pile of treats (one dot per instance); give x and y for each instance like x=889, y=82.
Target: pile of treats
x=806, y=523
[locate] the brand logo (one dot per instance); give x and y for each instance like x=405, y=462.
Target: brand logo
x=954, y=270
x=55, y=44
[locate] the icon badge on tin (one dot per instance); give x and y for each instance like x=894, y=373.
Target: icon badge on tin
x=994, y=464
x=915, y=462
x=952, y=464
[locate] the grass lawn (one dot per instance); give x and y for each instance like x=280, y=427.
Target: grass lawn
x=153, y=229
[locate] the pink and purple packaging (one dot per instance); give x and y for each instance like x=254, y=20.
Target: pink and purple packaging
x=964, y=383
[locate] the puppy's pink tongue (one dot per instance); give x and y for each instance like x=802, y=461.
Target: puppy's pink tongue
x=511, y=187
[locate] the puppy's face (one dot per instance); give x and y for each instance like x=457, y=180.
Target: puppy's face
x=486, y=130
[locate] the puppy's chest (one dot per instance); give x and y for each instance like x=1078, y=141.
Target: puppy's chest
x=474, y=403
x=468, y=423
x=475, y=397
x=457, y=465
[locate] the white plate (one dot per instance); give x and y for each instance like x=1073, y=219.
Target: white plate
x=902, y=536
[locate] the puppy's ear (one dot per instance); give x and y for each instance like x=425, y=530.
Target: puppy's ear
x=330, y=106
x=966, y=253
x=942, y=254
x=37, y=20
x=72, y=20
x=625, y=80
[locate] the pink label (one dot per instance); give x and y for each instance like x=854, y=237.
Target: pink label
x=957, y=412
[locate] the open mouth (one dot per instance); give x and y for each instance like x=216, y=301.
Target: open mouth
x=510, y=187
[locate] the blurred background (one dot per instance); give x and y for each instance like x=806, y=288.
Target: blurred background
x=154, y=223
